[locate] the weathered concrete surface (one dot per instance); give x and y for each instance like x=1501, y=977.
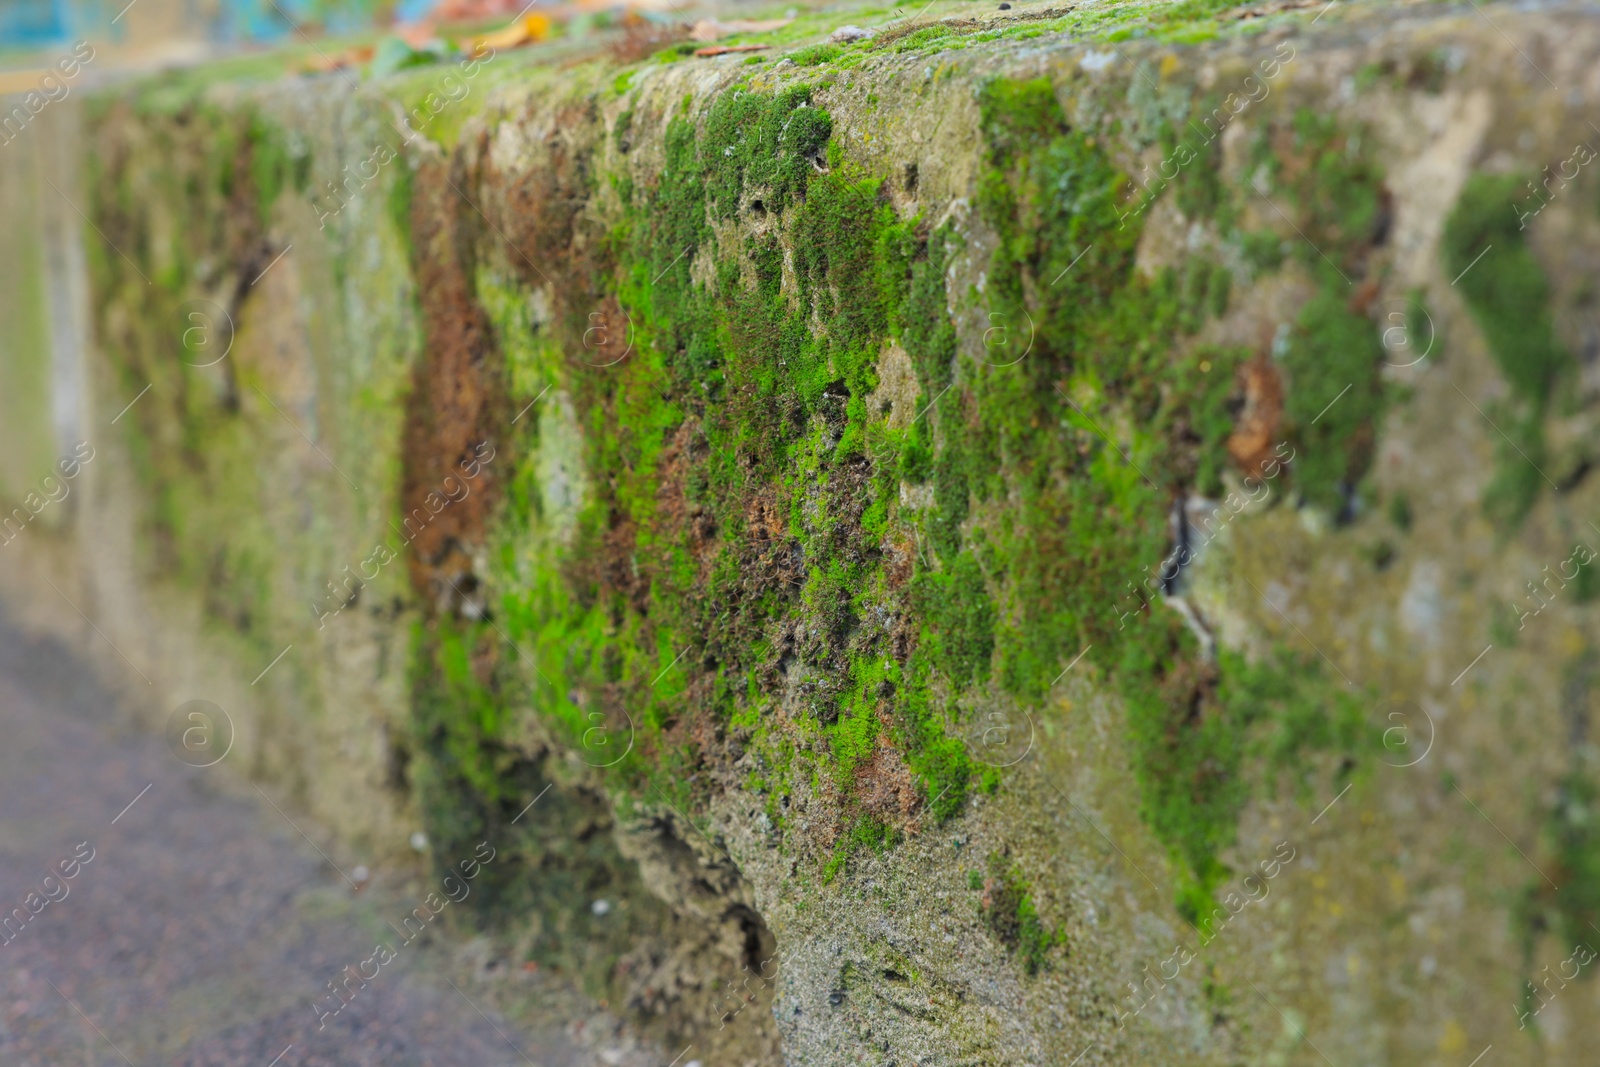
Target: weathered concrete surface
x=465, y=278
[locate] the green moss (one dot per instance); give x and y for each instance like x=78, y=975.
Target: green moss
x=1586, y=584
x=1198, y=182
x=1262, y=249
x=814, y=55
x=761, y=140
x=733, y=535
x=459, y=720
x=1573, y=834
x=736, y=552
x=865, y=833
x=1400, y=511
x=1566, y=901
x=1012, y=916
x=1339, y=212
x=272, y=167
x=960, y=619
x=1519, y=451
x=1090, y=528
x=397, y=203
x=621, y=130
x=196, y=462
x=472, y=787
x=923, y=36
x=1341, y=208
x=740, y=506
x=925, y=328
x=802, y=430
x=1485, y=248
x=1335, y=398
x=1192, y=764
x=1202, y=411
x=1506, y=289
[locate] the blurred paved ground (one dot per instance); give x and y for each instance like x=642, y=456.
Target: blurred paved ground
x=204, y=926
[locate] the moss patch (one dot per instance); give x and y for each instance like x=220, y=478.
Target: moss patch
x=1008, y=909
x=1510, y=300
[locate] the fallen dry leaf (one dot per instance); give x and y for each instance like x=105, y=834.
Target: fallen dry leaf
x=724, y=49
x=526, y=30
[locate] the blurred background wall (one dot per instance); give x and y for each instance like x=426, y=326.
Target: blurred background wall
x=42, y=300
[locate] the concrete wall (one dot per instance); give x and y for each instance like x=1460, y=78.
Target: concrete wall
x=463, y=281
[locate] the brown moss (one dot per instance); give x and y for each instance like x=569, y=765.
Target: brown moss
x=485, y=658
x=900, y=557
x=621, y=572
x=607, y=338
x=455, y=407
x=886, y=789
x=538, y=210
x=771, y=556
x=678, y=520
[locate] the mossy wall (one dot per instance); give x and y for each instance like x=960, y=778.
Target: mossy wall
x=30, y=437
x=894, y=474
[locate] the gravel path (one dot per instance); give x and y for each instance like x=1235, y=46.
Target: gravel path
x=203, y=926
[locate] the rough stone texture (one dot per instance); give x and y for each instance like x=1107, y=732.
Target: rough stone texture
x=490, y=260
